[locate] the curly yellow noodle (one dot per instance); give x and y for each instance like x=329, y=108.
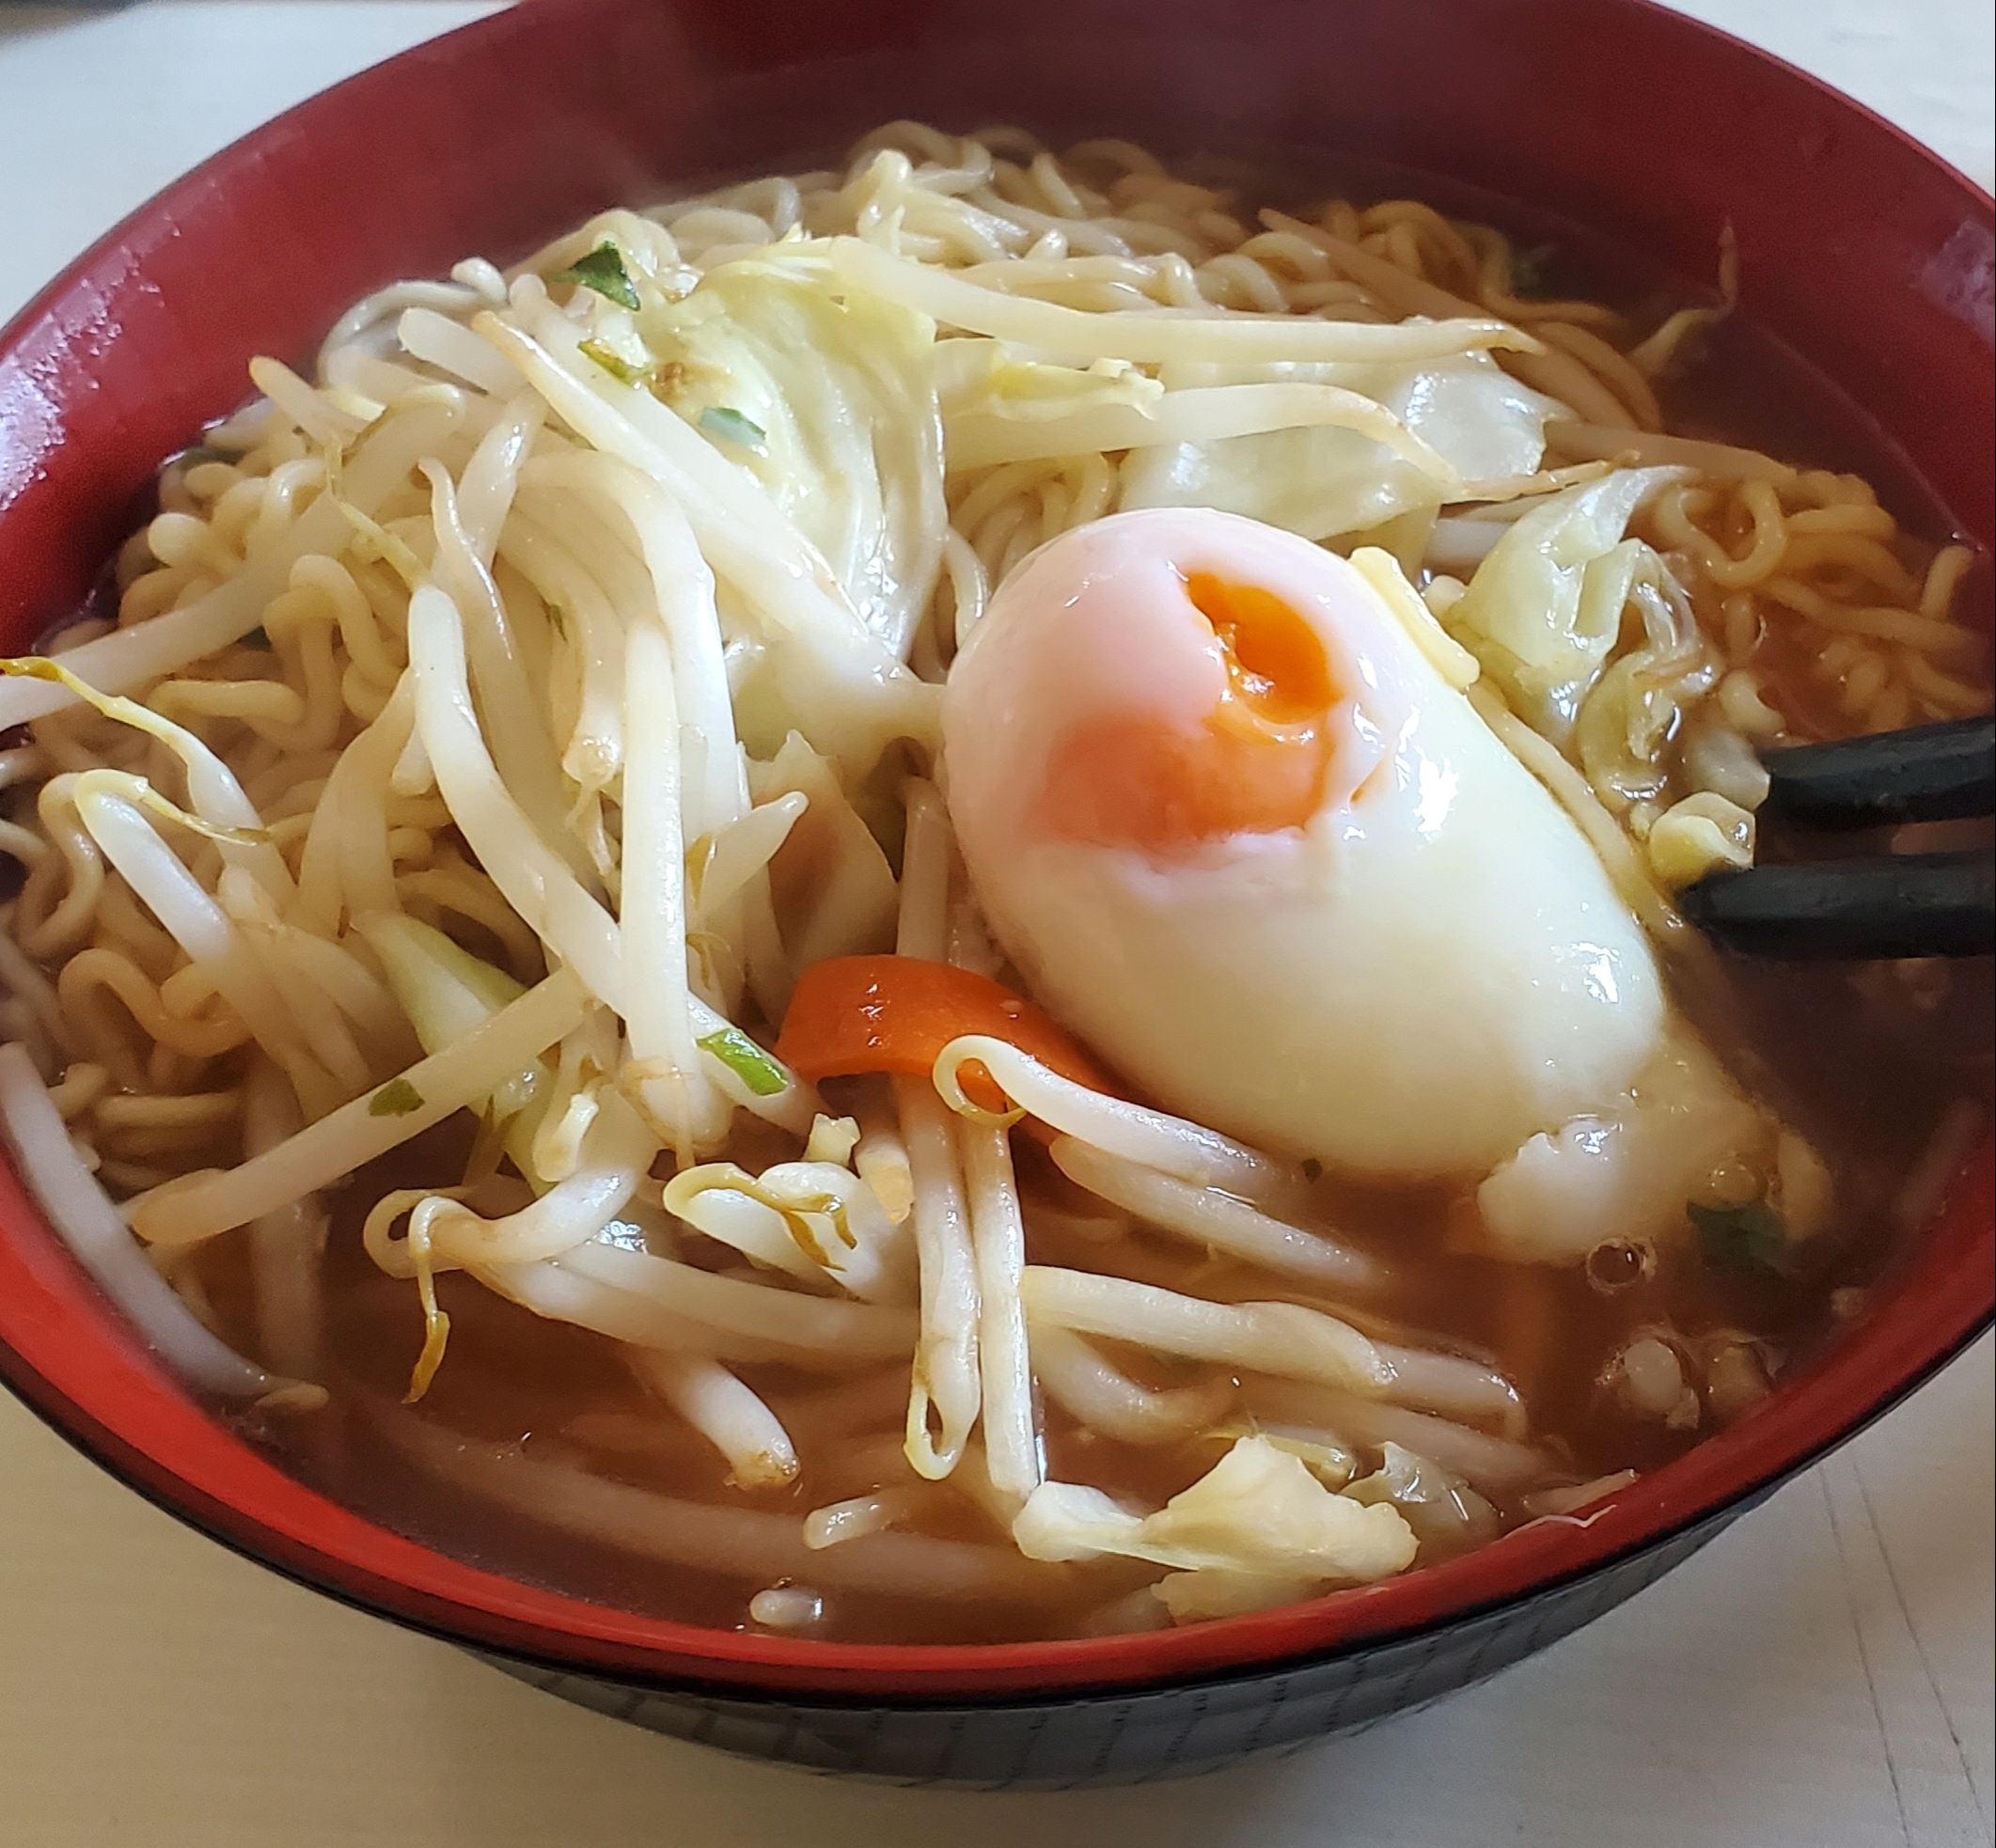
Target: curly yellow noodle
x=1614, y=371
x=121, y=923
x=1943, y=579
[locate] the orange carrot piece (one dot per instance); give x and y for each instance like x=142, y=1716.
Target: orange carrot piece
x=856, y=1015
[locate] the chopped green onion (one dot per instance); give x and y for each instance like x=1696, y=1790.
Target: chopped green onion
x=615, y=364
x=558, y=616
x=1749, y=1237
x=603, y=270
x=763, y=1076
x=731, y=425
x=396, y=1097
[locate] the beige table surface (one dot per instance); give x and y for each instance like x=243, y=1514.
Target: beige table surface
x=1818, y=1678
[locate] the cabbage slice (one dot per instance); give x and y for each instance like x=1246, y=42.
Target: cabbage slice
x=1324, y=482
x=831, y=404
x=1258, y=1512
x=1544, y=611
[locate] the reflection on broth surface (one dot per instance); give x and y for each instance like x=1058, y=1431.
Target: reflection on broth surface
x=1214, y=1104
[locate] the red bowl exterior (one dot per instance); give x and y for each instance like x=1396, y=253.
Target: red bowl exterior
x=1860, y=251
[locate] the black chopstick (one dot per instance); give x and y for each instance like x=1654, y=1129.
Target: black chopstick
x=1931, y=772
x=1906, y=904
x=1887, y=905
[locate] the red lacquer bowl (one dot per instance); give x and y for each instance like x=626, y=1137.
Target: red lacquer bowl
x=1865, y=259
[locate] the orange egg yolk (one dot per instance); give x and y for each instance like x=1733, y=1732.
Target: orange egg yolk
x=1255, y=764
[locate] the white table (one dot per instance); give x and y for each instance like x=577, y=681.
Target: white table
x=1818, y=1678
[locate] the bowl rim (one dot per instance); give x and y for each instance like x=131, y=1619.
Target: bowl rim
x=199, y=177
x=1894, y=1353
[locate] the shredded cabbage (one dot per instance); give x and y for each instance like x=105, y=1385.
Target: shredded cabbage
x=833, y=886
x=1441, y=1509
x=831, y=404
x=1325, y=482
x=1544, y=611
x=1259, y=1510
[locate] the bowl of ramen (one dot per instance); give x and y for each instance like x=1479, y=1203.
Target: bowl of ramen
x=866, y=937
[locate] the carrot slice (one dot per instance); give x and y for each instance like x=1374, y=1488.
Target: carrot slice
x=855, y=1014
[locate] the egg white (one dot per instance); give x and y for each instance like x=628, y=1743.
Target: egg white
x=1433, y=970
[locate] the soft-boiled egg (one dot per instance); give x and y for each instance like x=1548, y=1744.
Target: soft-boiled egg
x=1236, y=830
